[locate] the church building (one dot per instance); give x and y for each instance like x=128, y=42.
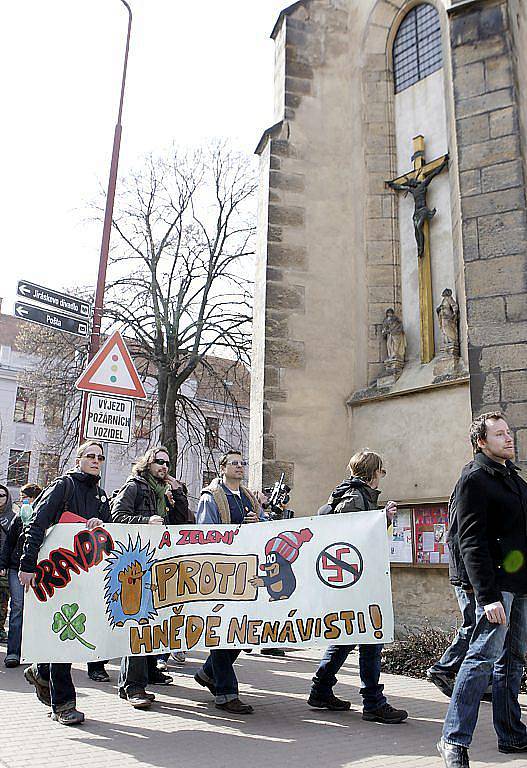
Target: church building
x=391, y=285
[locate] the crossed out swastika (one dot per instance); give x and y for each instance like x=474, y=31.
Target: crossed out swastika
x=339, y=565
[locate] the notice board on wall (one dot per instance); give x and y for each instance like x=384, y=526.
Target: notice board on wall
x=430, y=523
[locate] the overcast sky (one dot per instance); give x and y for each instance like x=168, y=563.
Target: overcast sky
x=197, y=69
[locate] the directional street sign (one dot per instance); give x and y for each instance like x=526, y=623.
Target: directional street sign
x=51, y=319
x=112, y=371
x=70, y=304
x=109, y=418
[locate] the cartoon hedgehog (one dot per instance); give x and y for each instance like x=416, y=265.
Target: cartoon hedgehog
x=128, y=584
x=280, y=552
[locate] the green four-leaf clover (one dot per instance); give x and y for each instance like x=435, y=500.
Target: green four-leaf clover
x=71, y=627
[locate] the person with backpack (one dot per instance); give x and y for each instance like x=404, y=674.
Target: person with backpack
x=149, y=496
x=226, y=501
x=357, y=493
x=9, y=565
x=78, y=493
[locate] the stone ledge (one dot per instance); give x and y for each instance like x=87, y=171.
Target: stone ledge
x=373, y=394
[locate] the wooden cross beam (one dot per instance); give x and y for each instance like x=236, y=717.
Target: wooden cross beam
x=416, y=182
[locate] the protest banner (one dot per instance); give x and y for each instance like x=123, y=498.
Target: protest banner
x=123, y=590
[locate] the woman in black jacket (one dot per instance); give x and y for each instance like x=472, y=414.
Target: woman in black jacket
x=79, y=493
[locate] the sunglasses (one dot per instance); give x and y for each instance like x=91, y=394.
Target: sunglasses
x=161, y=462
x=383, y=472
x=98, y=456
x=3, y=495
x=236, y=463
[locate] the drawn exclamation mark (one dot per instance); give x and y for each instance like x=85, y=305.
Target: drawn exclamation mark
x=376, y=621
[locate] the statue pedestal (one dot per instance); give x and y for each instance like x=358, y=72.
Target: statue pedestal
x=448, y=364
x=393, y=367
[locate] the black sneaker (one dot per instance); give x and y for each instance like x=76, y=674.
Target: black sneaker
x=158, y=678
x=205, y=683
x=41, y=686
x=69, y=717
x=441, y=680
x=385, y=714
x=124, y=695
x=330, y=702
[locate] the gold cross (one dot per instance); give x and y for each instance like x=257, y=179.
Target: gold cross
x=424, y=173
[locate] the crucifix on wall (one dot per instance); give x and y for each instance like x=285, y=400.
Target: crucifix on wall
x=416, y=182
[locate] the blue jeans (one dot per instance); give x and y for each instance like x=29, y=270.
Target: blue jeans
x=369, y=669
x=134, y=673
x=451, y=660
x=219, y=669
x=14, y=637
x=61, y=685
x=502, y=647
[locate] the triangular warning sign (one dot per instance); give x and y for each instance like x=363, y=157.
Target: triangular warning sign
x=112, y=371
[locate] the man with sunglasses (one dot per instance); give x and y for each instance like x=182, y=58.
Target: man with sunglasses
x=79, y=493
x=357, y=493
x=226, y=501
x=149, y=496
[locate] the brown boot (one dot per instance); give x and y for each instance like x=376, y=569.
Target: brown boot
x=236, y=707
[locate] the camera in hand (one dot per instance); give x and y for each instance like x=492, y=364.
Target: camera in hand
x=277, y=499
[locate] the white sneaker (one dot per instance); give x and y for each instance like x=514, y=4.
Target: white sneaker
x=162, y=665
x=178, y=656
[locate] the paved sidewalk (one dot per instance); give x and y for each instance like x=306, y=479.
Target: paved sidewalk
x=183, y=728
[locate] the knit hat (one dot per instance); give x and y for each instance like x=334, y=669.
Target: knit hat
x=288, y=543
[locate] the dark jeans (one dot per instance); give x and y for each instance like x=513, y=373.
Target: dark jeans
x=502, y=647
x=4, y=600
x=219, y=669
x=453, y=657
x=134, y=673
x=369, y=669
x=14, y=637
x=60, y=685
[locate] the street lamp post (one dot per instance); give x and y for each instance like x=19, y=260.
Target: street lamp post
x=107, y=228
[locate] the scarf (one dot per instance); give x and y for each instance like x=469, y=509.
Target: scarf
x=160, y=490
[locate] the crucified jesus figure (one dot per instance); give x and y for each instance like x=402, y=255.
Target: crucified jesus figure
x=422, y=212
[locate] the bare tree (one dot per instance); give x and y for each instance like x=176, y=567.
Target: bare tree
x=179, y=289
x=182, y=251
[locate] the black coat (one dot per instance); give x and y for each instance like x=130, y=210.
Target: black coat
x=11, y=551
x=84, y=498
x=136, y=502
x=491, y=511
x=456, y=567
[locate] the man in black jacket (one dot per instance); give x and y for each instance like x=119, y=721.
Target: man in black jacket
x=77, y=492
x=492, y=528
x=149, y=496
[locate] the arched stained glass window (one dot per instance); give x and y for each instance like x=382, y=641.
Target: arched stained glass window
x=417, y=46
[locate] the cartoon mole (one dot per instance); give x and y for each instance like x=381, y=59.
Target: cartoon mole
x=131, y=580
x=280, y=552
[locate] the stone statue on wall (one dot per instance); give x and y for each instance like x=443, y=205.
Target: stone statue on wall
x=393, y=332
x=448, y=315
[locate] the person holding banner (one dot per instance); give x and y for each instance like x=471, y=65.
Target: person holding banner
x=149, y=496
x=76, y=496
x=226, y=501
x=355, y=494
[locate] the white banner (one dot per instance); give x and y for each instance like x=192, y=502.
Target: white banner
x=124, y=590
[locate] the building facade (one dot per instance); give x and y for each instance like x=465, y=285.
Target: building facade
x=28, y=426
x=368, y=93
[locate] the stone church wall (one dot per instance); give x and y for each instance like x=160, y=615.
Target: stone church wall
x=329, y=261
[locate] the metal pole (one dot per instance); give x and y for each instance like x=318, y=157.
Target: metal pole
x=107, y=228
